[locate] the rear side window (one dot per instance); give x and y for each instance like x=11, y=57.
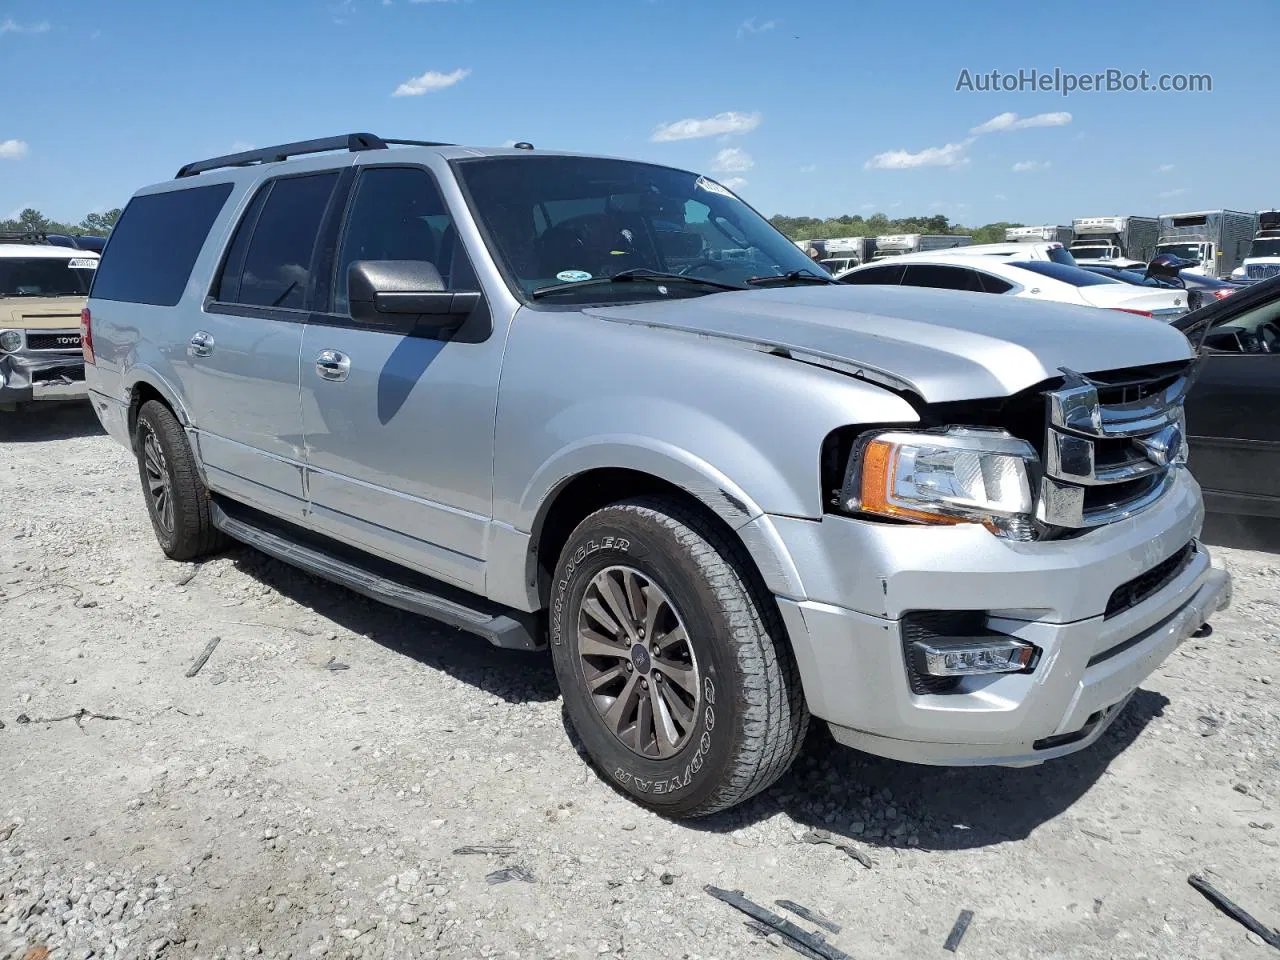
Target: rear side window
x=992, y=284
x=890, y=274
x=941, y=278
x=269, y=261
x=154, y=246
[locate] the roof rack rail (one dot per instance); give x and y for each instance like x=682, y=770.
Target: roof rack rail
x=352, y=142
x=24, y=236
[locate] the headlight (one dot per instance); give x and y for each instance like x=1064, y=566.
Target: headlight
x=960, y=475
x=10, y=340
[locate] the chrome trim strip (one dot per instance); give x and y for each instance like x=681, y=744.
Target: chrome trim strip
x=1072, y=458
x=1062, y=505
x=1076, y=407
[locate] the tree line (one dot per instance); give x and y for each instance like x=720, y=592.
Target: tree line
x=33, y=221
x=879, y=225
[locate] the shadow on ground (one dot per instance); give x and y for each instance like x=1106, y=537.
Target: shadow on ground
x=515, y=676
x=870, y=800
x=934, y=808
x=55, y=421
x=1242, y=533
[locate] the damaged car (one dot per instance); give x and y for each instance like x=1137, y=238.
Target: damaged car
x=43, y=289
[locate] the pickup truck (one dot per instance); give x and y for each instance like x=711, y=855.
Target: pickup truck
x=604, y=407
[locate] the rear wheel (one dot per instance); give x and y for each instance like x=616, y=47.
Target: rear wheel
x=176, y=498
x=672, y=659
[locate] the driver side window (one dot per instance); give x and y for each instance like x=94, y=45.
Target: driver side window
x=397, y=213
x=1254, y=331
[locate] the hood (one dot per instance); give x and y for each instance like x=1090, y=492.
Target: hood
x=940, y=344
x=41, y=313
x=1129, y=297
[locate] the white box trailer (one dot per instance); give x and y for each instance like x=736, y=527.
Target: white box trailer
x=894, y=245
x=841, y=253
x=1219, y=239
x=1126, y=237
x=1038, y=234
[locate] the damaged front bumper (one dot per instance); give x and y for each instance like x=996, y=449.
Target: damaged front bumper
x=26, y=378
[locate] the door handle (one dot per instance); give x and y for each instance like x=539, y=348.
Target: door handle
x=332, y=365
x=201, y=345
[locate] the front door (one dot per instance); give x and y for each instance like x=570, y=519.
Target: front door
x=1233, y=413
x=398, y=424
x=242, y=350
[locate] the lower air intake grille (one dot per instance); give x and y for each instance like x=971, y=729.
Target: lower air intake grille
x=1130, y=594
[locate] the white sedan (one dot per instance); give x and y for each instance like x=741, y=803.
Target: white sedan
x=1026, y=279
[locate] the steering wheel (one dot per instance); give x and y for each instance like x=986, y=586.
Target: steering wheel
x=716, y=265
x=1269, y=337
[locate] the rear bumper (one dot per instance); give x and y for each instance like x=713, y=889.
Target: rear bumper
x=113, y=415
x=26, y=379
x=849, y=642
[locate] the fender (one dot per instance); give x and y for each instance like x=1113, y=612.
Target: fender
x=146, y=374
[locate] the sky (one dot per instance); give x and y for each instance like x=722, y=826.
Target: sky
x=818, y=109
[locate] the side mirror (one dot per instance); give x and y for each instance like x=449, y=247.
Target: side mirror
x=397, y=293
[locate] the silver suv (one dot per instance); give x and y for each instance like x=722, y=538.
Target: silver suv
x=605, y=407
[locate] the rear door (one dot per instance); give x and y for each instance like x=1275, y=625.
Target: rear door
x=240, y=368
x=1233, y=413
x=398, y=422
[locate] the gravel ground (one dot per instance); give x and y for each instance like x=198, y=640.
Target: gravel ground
x=309, y=792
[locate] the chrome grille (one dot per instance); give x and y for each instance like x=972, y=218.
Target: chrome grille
x=1112, y=444
x=1262, y=271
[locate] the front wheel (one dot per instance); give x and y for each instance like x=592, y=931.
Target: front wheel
x=672, y=659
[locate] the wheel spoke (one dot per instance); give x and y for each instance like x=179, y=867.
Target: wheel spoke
x=679, y=711
x=666, y=736
x=644, y=732
x=655, y=603
x=623, y=706
x=617, y=604
x=685, y=677
x=605, y=677
x=596, y=611
x=592, y=644
x=670, y=639
x=635, y=596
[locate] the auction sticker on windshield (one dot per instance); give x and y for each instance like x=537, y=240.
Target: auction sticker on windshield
x=573, y=276
x=83, y=263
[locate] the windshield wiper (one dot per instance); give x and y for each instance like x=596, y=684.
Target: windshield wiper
x=636, y=275
x=795, y=276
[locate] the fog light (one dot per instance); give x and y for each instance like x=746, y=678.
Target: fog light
x=973, y=657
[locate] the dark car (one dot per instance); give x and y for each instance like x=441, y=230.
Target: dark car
x=1201, y=290
x=1233, y=412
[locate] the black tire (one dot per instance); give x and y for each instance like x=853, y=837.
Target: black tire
x=750, y=721
x=185, y=529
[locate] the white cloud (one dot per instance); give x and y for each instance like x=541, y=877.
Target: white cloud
x=732, y=160
x=734, y=183
x=430, y=82
x=1011, y=121
x=729, y=122
x=809, y=168
x=1001, y=196
x=951, y=155
x=13, y=149
x=1026, y=166
x=8, y=25
x=751, y=26
x=1165, y=168
x=1166, y=194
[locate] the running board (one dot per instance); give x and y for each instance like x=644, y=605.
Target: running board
x=509, y=629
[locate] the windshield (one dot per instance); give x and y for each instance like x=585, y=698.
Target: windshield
x=1188, y=251
x=553, y=220
x=1265, y=248
x=1076, y=276
x=46, y=276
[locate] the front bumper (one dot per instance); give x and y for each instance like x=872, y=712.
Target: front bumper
x=25, y=378
x=861, y=578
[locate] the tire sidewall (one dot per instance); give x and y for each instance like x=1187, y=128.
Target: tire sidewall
x=621, y=537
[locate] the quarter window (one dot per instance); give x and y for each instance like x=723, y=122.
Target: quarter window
x=942, y=278
x=890, y=274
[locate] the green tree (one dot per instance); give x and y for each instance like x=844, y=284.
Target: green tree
x=99, y=224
